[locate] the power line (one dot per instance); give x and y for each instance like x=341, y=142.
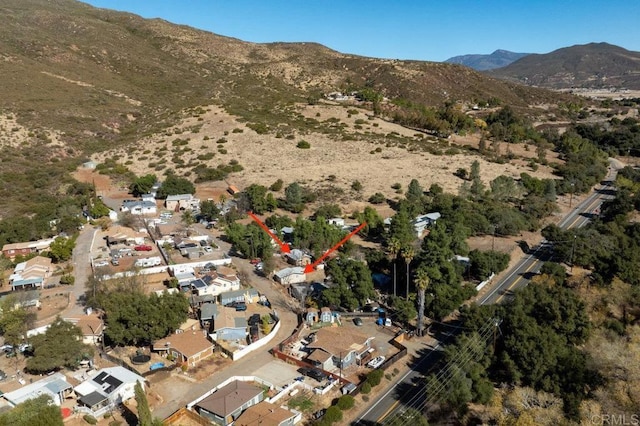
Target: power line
x=432, y=392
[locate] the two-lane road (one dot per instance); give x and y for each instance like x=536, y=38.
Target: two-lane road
x=517, y=277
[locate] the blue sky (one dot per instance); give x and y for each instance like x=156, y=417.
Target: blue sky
x=431, y=30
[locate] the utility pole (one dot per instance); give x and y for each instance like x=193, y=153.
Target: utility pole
x=573, y=250
x=571, y=197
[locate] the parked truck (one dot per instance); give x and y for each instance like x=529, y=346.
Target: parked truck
x=148, y=262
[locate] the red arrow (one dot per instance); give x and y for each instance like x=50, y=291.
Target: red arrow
x=283, y=247
x=309, y=268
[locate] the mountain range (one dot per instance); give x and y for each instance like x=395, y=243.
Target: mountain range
x=593, y=65
x=499, y=58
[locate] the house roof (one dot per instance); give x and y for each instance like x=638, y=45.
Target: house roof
x=283, y=273
x=225, y=271
x=189, y=343
x=319, y=355
x=251, y=292
x=263, y=414
x=227, y=319
x=208, y=311
x=335, y=340
x=107, y=380
x=36, y=245
x=50, y=385
x=179, y=197
x=229, y=398
x=94, y=398
x=91, y=325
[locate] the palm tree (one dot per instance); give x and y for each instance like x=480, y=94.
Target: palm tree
x=422, y=282
x=393, y=248
x=408, y=253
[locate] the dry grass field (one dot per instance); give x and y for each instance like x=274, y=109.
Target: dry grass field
x=377, y=153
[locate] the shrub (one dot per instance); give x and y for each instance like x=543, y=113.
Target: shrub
x=90, y=419
x=333, y=414
x=345, y=402
x=356, y=185
x=396, y=186
x=375, y=377
x=236, y=130
x=377, y=198
x=277, y=185
x=67, y=279
x=366, y=388
x=303, y=144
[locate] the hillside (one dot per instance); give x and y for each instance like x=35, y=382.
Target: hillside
x=79, y=80
x=594, y=65
x=498, y=59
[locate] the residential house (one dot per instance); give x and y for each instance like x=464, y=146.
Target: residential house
x=289, y=276
x=31, y=274
x=92, y=327
x=266, y=414
x=10, y=251
x=337, y=221
x=208, y=314
x=123, y=235
x=311, y=316
x=422, y=222
x=24, y=298
x=56, y=386
x=226, y=404
x=188, y=347
x=139, y=207
x=345, y=345
x=221, y=283
x=182, y=202
x=297, y=258
x=247, y=295
x=229, y=324
x=106, y=389
x=287, y=234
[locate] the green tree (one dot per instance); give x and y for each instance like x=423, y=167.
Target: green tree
x=15, y=320
x=60, y=346
x=332, y=415
x=174, y=185
x=209, y=210
x=328, y=211
x=98, y=209
x=422, y=282
x=61, y=249
x=256, y=198
x=293, y=198
x=346, y=402
x=403, y=309
x=144, y=413
x=483, y=263
x=408, y=253
x=142, y=185
x=393, y=248
x=414, y=191
x=133, y=318
x=401, y=228
x=477, y=187
x=277, y=185
x=39, y=411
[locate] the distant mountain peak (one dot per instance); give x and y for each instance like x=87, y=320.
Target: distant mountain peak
x=499, y=58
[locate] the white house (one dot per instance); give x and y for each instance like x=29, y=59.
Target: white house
x=139, y=207
x=106, y=389
x=290, y=275
x=422, y=222
x=56, y=386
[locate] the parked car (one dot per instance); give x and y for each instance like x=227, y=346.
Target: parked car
x=208, y=249
x=115, y=261
x=255, y=261
x=254, y=319
x=143, y=247
x=314, y=373
x=357, y=321
x=376, y=362
x=240, y=306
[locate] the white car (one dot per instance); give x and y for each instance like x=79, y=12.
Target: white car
x=208, y=249
x=376, y=362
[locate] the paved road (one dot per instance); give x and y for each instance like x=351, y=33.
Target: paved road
x=404, y=391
